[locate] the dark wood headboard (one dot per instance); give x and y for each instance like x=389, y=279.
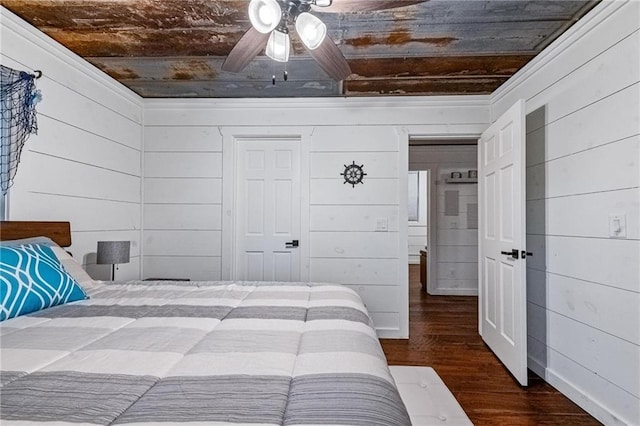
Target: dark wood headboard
x=60, y=232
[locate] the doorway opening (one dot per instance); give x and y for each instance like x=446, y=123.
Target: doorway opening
x=450, y=254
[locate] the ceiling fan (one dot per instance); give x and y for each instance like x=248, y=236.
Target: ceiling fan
x=270, y=22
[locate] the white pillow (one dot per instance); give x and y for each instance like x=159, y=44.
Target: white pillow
x=73, y=268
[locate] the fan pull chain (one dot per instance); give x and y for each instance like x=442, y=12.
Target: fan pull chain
x=273, y=71
x=285, y=75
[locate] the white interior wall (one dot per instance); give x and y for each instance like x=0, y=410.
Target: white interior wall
x=183, y=202
x=343, y=244
x=83, y=166
x=583, y=137
x=456, y=244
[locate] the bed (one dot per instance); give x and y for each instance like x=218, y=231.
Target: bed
x=214, y=353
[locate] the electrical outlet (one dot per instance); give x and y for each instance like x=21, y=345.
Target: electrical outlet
x=382, y=224
x=618, y=225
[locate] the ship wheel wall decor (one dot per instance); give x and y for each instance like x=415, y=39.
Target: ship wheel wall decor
x=353, y=174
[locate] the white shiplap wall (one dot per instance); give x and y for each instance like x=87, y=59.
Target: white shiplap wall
x=183, y=202
x=339, y=242
x=83, y=166
x=456, y=242
x=344, y=241
x=453, y=248
x=583, y=138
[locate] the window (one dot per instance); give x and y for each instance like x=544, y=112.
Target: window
x=414, y=196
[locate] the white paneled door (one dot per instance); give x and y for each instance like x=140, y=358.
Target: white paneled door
x=268, y=210
x=502, y=256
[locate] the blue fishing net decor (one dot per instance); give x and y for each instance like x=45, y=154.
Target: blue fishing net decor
x=18, y=120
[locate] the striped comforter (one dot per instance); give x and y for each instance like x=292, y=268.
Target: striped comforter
x=206, y=353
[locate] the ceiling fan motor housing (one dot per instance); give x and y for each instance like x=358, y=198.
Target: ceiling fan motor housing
x=292, y=8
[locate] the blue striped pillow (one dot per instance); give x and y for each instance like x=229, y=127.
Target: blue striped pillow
x=31, y=279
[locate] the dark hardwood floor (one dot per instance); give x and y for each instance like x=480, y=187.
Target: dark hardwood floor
x=443, y=334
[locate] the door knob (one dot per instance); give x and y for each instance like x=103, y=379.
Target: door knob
x=513, y=253
x=292, y=244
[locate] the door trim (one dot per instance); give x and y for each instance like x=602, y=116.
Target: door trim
x=432, y=213
x=230, y=138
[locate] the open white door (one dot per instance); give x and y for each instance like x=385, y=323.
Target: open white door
x=268, y=210
x=502, y=302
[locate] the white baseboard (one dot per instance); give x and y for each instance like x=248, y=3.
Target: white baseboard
x=454, y=292
x=600, y=412
x=390, y=333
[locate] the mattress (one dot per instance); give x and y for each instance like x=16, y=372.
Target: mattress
x=240, y=353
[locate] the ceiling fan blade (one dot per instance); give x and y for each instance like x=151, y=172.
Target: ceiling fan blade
x=331, y=59
x=347, y=6
x=247, y=48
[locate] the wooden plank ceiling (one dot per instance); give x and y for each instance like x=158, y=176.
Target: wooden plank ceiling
x=175, y=48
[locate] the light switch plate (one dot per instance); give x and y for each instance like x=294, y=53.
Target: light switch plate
x=618, y=225
x=382, y=224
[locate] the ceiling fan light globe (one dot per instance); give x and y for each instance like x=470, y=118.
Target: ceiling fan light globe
x=311, y=30
x=264, y=15
x=278, y=46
